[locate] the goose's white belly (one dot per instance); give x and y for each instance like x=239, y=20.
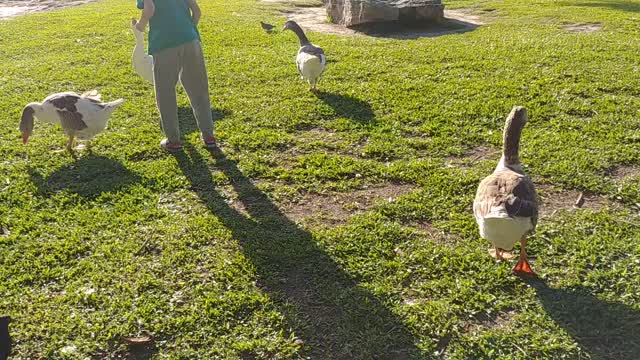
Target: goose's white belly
x=503, y=231
x=311, y=67
x=90, y=132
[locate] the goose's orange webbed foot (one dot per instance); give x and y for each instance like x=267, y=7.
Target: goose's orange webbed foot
x=523, y=268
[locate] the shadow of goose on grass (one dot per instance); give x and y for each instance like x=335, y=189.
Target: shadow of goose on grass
x=347, y=106
x=89, y=176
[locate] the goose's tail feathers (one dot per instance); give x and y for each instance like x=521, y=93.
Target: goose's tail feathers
x=115, y=104
x=93, y=94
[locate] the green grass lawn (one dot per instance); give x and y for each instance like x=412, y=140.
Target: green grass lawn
x=336, y=226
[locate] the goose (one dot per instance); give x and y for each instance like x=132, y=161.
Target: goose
x=311, y=60
x=506, y=205
x=142, y=62
x=82, y=116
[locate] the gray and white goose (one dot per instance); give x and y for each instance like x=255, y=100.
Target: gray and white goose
x=311, y=60
x=82, y=116
x=506, y=206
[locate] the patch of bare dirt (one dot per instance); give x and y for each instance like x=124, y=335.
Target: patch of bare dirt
x=11, y=9
x=470, y=16
x=337, y=208
x=314, y=18
x=583, y=28
x=321, y=140
x=622, y=173
x=470, y=157
x=232, y=199
x=328, y=137
x=498, y=321
x=553, y=200
x=431, y=233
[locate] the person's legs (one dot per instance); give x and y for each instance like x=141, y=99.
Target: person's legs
x=196, y=84
x=166, y=67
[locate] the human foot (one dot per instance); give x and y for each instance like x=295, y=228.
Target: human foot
x=170, y=146
x=209, y=141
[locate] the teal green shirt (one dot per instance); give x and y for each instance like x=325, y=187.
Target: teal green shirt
x=171, y=25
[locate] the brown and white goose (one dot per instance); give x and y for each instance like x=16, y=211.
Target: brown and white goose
x=506, y=206
x=311, y=60
x=82, y=116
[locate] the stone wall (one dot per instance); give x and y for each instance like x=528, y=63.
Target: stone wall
x=356, y=12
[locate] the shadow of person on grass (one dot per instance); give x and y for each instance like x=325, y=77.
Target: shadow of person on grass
x=188, y=123
x=603, y=329
x=336, y=318
x=89, y=177
x=348, y=106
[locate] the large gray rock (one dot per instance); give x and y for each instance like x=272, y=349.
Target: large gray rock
x=356, y=12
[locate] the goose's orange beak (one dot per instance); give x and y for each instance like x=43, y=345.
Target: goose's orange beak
x=25, y=137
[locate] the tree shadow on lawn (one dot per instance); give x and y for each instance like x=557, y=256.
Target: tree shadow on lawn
x=348, y=106
x=332, y=314
x=89, y=177
x=612, y=4
x=605, y=330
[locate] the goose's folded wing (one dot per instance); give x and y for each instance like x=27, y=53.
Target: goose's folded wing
x=65, y=101
x=508, y=190
x=71, y=120
x=522, y=201
x=488, y=193
x=312, y=50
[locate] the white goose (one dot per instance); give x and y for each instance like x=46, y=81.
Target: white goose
x=311, y=60
x=142, y=62
x=506, y=206
x=82, y=116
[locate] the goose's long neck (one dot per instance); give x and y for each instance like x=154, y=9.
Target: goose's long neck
x=36, y=107
x=139, y=37
x=300, y=33
x=511, y=137
x=27, y=120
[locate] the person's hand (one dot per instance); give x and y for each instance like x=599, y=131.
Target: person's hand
x=137, y=24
